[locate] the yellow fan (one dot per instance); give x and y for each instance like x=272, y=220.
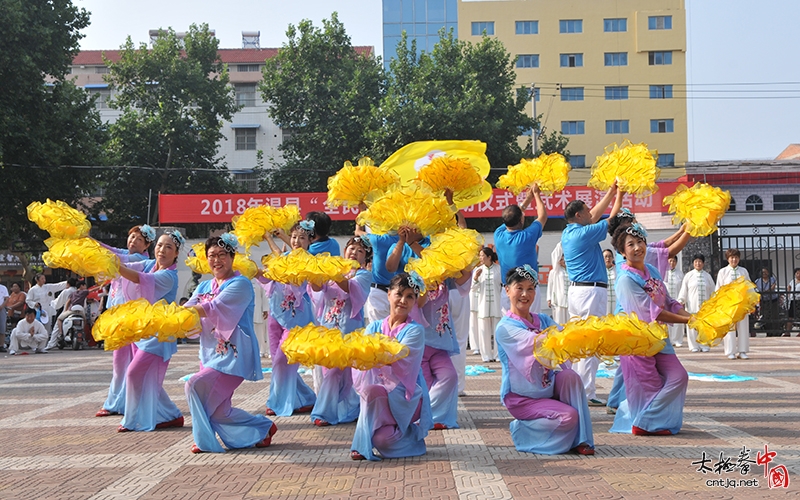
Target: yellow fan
x=415, y=207
x=299, y=266
x=701, y=207
x=612, y=335
x=353, y=184
x=317, y=345
x=83, y=256
x=59, y=219
x=138, y=319
x=447, y=256
x=550, y=172
x=726, y=307
x=633, y=166
x=250, y=227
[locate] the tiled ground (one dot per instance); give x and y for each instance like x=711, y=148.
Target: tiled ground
x=53, y=447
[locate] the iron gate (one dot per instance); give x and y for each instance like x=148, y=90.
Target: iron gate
x=771, y=247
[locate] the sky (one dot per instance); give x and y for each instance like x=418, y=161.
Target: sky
x=730, y=43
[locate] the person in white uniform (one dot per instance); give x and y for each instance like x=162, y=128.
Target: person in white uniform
x=696, y=287
x=737, y=341
x=260, y=313
x=558, y=286
x=673, y=280
x=42, y=294
x=29, y=333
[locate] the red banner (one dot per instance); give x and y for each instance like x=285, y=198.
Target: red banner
x=202, y=208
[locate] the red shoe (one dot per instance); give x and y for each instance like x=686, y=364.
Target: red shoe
x=321, y=423
x=354, y=455
x=305, y=409
x=175, y=422
x=584, y=449
x=123, y=429
x=267, y=440
x=195, y=449
x=105, y=413
x=270, y=412
x=439, y=427
x=638, y=431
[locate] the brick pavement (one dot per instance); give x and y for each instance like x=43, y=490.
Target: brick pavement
x=53, y=447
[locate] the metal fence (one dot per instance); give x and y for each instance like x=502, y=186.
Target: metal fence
x=771, y=254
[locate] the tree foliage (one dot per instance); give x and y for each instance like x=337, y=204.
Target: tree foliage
x=556, y=142
x=321, y=91
x=46, y=123
x=459, y=91
x=173, y=98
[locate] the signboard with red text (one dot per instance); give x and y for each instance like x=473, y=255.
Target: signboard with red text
x=215, y=208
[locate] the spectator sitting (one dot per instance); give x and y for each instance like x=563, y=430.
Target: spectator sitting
x=29, y=333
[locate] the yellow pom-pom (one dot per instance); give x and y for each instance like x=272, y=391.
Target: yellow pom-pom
x=317, y=345
x=448, y=254
x=198, y=262
x=726, y=307
x=457, y=174
x=633, y=166
x=138, y=319
x=299, y=266
x=83, y=256
x=613, y=335
x=550, y=172
x=59, y=219
x=352, y=184
x=250, y=227
x=415, y=207
x=701, y=207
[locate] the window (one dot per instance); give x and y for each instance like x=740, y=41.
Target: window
x=616, y=58
x=245, y=139
x=617, y=127
x=785, y=202
x=577, y=161
x=665, y=160
x=101, y=70
x=753, y=203
x=659, y=58
x=732, y=207
x=248, y=68
x=616, y=93
x=526, y=27
x=659, y=22
x=572, y=128
x=570, y=26
x=660, y=91
x=103, y=96
x=571, y=93
x=615, y=25
x=571, y=60
x=245, y=94
x=662, y=126
x=479, y=27
x=528, y=61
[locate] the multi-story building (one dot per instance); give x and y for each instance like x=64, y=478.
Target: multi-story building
x=602, y=71
x=249, y=131
x=420, y=19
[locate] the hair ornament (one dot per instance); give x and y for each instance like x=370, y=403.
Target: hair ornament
x=527, y=272
x=177, y=237
x=416, y=282
x=148, y=232
x=637, y=230
x=229, y=242
x=625, y=213
x=307, y=226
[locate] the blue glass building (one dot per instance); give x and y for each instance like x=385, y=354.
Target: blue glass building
x=420, y=19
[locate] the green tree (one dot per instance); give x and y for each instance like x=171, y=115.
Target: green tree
x=458, y=91
x=321, y=91
x=173, y=98
x=556, y=142
x=47, y=124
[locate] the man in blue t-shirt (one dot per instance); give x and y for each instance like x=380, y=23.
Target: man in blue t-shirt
x=587, y=295
x=516, y=245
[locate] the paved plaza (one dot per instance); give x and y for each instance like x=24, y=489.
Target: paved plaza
x=54, y=448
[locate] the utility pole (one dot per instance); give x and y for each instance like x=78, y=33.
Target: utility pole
x=535, y=132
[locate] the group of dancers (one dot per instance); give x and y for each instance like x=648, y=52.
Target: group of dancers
x=397, y=405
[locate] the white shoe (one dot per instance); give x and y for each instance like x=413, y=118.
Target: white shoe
x=695, y=350
x=678, y=345
x=67, y=339
x=704, y=349
x=476, y=352
x=743, y=355
x=731, y=356
x=12, y=352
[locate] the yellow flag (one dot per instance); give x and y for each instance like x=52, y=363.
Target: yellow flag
x=408, y=160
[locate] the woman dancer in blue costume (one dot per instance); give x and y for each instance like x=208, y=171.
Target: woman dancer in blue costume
x=139, y=239
x=549, y=405
x=341, y=305
x=395, y=413
x=655, y=387
x=228, y=356
x=147, y=405
x=289, y=306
